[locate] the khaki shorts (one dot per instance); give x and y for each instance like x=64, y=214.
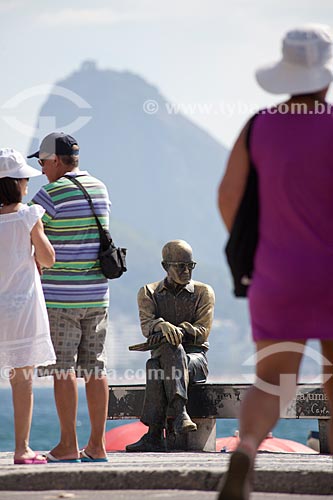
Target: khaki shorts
x=78, y=337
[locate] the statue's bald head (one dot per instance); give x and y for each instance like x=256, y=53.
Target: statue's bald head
x=177, y=262
x=177, y=251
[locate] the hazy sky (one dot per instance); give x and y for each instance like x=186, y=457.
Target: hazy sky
x=199, y=53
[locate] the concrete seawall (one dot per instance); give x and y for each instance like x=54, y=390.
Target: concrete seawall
x=280, y=473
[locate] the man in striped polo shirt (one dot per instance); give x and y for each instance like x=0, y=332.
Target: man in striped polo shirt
x=76, y=294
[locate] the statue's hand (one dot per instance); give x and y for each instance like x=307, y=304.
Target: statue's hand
x=172, y=334
x=155, y=338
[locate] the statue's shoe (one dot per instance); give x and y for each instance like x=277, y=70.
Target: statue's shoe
x=147, y=444
x=183, y=423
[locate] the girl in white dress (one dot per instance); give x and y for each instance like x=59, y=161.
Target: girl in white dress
x=24, y=329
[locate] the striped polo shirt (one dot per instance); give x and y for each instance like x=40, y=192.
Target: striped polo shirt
x=76, y=279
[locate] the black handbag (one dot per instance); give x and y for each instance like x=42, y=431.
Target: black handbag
x=242, y=244
x=112, y=259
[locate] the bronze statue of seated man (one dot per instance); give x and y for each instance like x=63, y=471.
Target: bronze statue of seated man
x=176, y=316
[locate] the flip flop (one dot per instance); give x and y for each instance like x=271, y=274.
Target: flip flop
x=53, y=460
x=31, y=461
x=88, y=458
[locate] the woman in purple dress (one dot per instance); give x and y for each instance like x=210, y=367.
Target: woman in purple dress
x=291, y=294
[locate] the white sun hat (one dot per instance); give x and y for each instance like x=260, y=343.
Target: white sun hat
x=306, y=65
x=12, y=164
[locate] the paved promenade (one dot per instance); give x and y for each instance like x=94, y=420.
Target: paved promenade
x=275, y=473
x=139, y=494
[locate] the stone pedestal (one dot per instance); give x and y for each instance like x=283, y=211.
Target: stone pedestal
x=323, y=425
x=204, y=439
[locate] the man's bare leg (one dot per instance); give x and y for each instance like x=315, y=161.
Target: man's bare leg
x=66, y=399
x=97, y=392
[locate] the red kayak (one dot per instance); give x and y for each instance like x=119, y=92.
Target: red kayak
x=269, y=444
x=119, y=437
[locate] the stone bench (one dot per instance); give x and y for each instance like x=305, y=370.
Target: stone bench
x=207, y=402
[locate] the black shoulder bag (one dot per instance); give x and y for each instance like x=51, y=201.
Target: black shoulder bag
x=241, y=246
x=112, y=259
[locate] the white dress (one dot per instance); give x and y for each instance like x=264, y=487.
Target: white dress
x=24, y=327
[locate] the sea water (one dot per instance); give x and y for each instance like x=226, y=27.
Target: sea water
x=45, y=428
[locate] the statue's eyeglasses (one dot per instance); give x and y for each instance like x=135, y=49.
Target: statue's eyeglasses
x=181, y=266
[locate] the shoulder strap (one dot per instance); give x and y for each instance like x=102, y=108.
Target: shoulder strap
x=87, y=196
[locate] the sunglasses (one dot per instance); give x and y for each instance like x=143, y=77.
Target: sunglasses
x=41, y=162
x=181, y=266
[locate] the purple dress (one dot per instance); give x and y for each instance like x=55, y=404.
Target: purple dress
x=291, y=296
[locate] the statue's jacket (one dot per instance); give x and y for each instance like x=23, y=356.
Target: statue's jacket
x=190, y=308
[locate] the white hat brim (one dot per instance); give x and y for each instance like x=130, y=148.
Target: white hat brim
x=286, y=78
x=24, y=171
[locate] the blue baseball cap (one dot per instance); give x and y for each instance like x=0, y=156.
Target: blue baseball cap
x=56, y=143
